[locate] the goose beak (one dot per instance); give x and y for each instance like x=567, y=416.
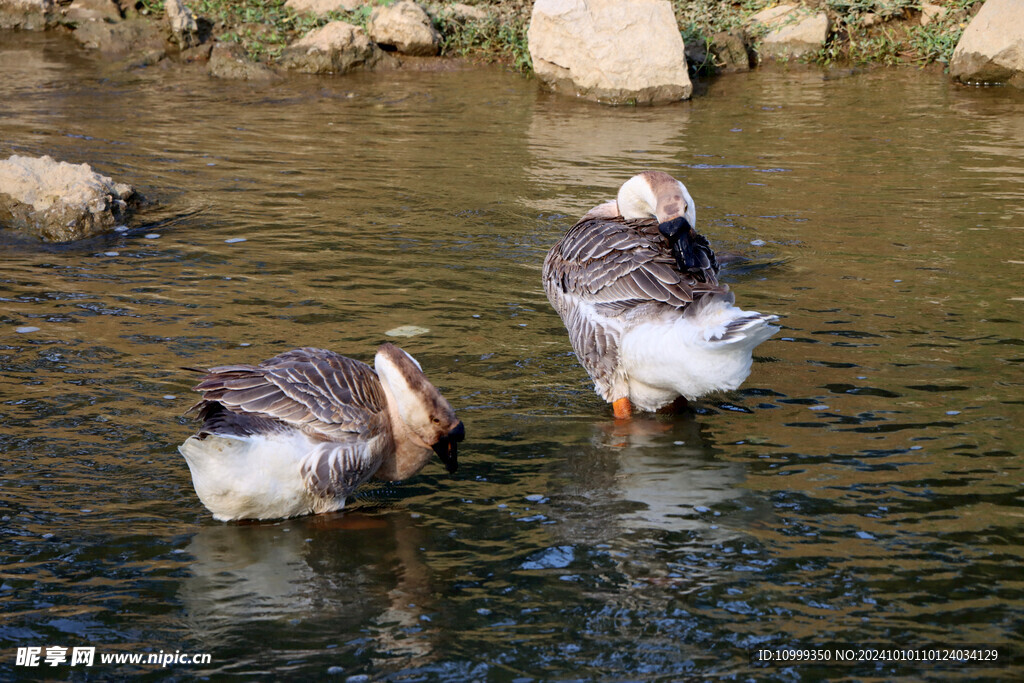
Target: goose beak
x=447, y=448
x=679, y=232
x=674, y=228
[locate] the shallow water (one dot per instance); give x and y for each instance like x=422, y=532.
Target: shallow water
x=861, y=489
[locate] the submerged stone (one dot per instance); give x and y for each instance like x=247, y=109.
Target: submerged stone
x=60, y=202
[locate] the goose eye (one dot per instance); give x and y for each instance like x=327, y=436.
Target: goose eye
x=435, y=420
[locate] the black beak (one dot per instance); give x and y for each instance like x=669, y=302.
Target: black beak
x=447, y=448
x=682, y=238
x=675, y=228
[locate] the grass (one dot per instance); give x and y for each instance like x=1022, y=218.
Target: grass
x=264, y=27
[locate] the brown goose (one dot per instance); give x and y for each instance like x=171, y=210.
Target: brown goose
x=637, y=288
x=298, y=433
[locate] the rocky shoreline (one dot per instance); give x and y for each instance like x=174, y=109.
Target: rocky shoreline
x=264, y=39
x=609, y=51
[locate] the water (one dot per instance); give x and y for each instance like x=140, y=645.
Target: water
x=861, y=489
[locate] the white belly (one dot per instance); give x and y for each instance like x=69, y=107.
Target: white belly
x=663, y=360
x=256, y=477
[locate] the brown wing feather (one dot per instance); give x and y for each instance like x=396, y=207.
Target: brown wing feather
x=319, y=391
x=618, y=265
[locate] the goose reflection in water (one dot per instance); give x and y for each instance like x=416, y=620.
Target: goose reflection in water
x=348, y=572
x=650, y=473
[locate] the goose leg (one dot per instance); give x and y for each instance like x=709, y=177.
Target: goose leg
x=622, y=408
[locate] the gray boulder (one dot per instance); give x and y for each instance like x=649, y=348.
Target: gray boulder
x=133, y=36
x=60, y=202
x=228, y=61
x=611, y=51
x=27, y=15
x=790, y=31
x=336, y=48
x=991, y=49
x=406, y=27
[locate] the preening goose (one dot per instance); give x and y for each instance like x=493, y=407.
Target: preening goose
x=298, y=433
x=637, y=288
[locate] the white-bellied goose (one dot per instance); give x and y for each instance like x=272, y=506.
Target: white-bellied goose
x=637, y=288
x=298, y=433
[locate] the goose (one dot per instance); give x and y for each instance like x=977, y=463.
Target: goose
x=637, y=289
x=298, y=433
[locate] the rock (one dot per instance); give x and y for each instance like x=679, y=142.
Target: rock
x=323, y=7
x=92, y=10
x=228, y=61
x=612, y=51
x=337, y=48
x=792, y=31
x=406, y=27
x=58, y=201
x=464, y=13
x=930, y=13
x=729, y=50
x=869, y=19
x=991, y=49
x=197, y=54
x=183, y=24
x=130, y=36
x=27, y=15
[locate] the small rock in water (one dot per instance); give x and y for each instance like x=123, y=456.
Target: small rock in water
x=757, y=243
x=406, y=331
x=170, y=397
x=235, y=240
x=26, y=329
x=152, y=236
x=536, y=498
x=121, y=228
x=111, y=253
x=335, y=670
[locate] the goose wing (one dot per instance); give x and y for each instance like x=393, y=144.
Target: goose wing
x=606, y=267
x=320, y=392
x=618, y=263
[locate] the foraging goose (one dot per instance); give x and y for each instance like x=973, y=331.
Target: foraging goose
x=298, y=433
x=637, y=288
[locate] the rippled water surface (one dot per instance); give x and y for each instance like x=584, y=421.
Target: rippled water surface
x=862, y=488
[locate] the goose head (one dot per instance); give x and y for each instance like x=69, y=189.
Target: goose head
x=653, y=194
x=427, y=415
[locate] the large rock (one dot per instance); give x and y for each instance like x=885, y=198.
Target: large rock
x=228, y=61
x=27, y=15
x=991, y=50
x=337, y=48
x=322, y=7
x=58, y=201
x=612, y=51
x=790, y=31
x=134, y=36
x=406, y=27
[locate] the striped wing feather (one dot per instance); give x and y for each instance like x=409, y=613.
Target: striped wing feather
x=321, y=392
